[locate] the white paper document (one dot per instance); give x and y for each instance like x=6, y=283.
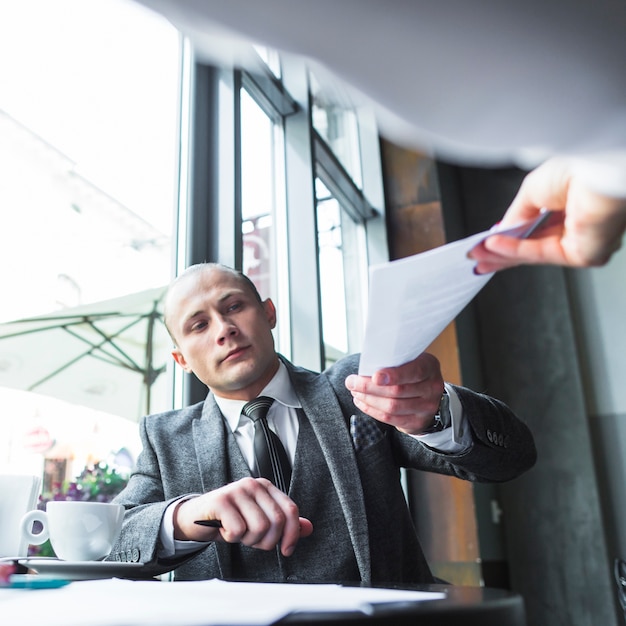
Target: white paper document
x=116, y=602
x=412, y=300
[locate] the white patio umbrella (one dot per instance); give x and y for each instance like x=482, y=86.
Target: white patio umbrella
x=108, y=355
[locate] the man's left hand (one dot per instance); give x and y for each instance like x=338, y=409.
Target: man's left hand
x=406, y=396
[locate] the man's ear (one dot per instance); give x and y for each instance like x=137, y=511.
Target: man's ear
x=180, y=359
x=270, y=312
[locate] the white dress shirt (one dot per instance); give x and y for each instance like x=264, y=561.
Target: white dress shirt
x=282, y=418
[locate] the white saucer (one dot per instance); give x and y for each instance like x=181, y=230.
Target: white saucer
x=82, y=570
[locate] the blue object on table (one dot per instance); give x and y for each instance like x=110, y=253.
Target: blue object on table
x=34, y=581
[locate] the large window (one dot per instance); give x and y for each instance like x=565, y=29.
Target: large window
x=263, y=204
x=338, y=125
x=346, y=217
x=89, y=103
x=342, y=272
x=270, y=171
x=295, y=158
x=261, y=181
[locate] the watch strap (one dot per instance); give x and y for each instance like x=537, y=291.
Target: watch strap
x=442, y=418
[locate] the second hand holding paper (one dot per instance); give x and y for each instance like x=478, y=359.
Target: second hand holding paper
x=412, y=300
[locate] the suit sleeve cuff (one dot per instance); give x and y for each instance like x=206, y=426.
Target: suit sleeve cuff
x=455, y=439
x=170, y=547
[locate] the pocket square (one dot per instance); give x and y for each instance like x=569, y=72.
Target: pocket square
x=364, y=432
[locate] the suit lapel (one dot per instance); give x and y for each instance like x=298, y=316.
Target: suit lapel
x=219, y=462
x=219, y=459
x=324, y=413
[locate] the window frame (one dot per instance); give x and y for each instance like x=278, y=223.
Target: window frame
x=212, y=217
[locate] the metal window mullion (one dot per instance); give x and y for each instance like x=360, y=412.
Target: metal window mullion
x=213, y=226
x=339, y=182
x=302, y=252
x=213, y=229
x=269, y=94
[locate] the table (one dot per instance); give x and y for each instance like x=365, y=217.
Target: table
x=465, y=606
x=124, y=602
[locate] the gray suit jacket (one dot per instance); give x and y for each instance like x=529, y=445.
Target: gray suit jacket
x=193, y=451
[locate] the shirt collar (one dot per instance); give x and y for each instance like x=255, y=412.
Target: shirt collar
x=279, y=388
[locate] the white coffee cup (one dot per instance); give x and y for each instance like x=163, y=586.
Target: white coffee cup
x=78, y=531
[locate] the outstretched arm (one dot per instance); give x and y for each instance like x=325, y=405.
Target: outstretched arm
x=589, y=231
x=406, y=397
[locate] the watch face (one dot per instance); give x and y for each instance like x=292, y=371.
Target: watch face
x=436, y=427
x=442, y=419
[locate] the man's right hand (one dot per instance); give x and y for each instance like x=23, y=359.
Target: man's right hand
x=252, y=511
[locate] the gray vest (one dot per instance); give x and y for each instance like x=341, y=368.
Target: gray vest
x=326, y=555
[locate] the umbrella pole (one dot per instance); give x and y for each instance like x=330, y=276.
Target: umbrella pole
x=149, y=372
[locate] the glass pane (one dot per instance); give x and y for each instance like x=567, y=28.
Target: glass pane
x=338, y=126
x=341, y=276
x=264, y=210
x=262, y=193
x=257, y=193
x=88, y=135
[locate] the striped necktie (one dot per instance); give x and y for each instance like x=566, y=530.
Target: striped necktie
x=271, y=459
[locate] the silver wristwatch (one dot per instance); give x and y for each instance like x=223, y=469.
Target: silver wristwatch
x=442, y=418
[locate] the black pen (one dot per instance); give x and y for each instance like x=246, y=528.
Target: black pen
x=212, y=523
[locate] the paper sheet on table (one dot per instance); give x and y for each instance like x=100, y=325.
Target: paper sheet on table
x=116, y=602
x=412, y=300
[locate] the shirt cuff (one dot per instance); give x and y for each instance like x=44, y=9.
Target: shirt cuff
x=455, y=439
x=170, y=547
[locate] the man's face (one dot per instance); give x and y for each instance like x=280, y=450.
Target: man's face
x=223, y=333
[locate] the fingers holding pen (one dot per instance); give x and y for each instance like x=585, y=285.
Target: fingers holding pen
x=251, y=511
